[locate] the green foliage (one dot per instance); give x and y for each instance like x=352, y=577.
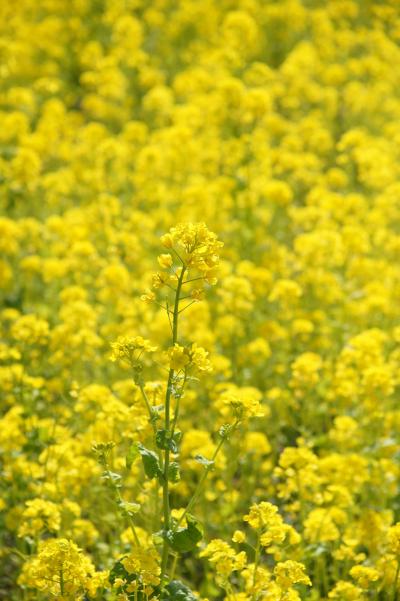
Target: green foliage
x=184, y=539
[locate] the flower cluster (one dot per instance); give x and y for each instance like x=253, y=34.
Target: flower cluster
x=272, y=530
x=181, y=358
x=61, y=570
x=130, y=349
x=255, y=579
x=195, y=246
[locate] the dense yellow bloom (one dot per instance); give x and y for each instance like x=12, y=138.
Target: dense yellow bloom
x=199, y=358
x=324, y=524
x=305, y=369
x=243, y=402
x=194, y=357
x=364, y=575
x=290, y=572
x=178, y=358
x=196, y=246
x=224, y=558
x=286, y=292
x=39, y=516
x=393, y=539
x=264, y=517
x=263, y=136
x=130, y=349
x=30, y=329
x=345, y=591
x=59, y=569
x=144, y=563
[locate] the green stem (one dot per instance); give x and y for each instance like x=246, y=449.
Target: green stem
x=256, y=564
x=396, y=578
x=174, y=564
x=151, y=419
x=199, y=486
x=176, y=415
x=12, y=550
x=119, y=502
x=171, y=373
x=133, y=530
x=148, y=406
x=62, y=582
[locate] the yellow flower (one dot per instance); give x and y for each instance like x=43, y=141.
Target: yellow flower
x=393, y=539
x=265, y=518
x=144, y=562
x=39, y=516
x=364, y=575
x=224, y=558
x=148, y=297
x=130, y=349
x=59, y=565
x=324, y=524
x=199, y=358
x=178, y=357
x=238, y=536
x=30, y=329
x=245, y=403
x=345, y=591
x=305, y=369
x=290, y=572
x=165, y=261
x=195, y=246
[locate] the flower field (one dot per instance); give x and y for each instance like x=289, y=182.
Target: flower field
x=200, y=300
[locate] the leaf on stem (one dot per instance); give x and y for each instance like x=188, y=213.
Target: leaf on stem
x=204, y=461
x=165, y=440
x=177, y=591
x=185, y=539
x=150, y=462
x=132, y=454
x=174, y=474
x=129, y=508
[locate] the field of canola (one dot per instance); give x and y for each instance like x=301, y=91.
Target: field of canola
x=200, y=288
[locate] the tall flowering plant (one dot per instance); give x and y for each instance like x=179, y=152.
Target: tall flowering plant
x=185, y=271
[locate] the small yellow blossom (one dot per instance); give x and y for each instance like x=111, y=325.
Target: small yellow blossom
x=224, y=558
x=165, y=261
x=178, y=357
x=130, y=349
x=364, y=575
x=238, y=536
x=290, y=572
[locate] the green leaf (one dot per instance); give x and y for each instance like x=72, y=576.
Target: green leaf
x=185, y=539
x=165, y=441
x=158, y=537
x=118, y=571
x=112, y=478
x=129, y=508
x=173, y=472
x=131, y=456
x=150, y=462
x=177, y=591
x=204, y=461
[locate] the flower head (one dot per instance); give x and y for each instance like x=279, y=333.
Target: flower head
x=195, y=246
x=130, y=349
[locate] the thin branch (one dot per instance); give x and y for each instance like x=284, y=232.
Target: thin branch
x=187, y=306
x=193, y=280
x=169, y=317
x=178, y=255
